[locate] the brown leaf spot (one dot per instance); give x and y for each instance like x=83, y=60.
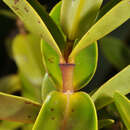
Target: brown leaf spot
x=26, y=102
x=35, y=105
x=72, y=110
x=29, y=116
x=16, y=1
x=26, y=9
x=52, y=109
x=53, y=118
x=39, y=22
x=15, y=8
x=41, y=35
x=51, y=59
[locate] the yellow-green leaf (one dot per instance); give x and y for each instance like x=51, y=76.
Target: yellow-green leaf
x=47, y=86
x=81, y=113
x=85, y=66
x=26, y=53
x=51, y=62
x=32, y=20
x=52, y=112
x=51, y=25
x=8, y=125
x=27, y=127
x=109, y=5
x=104, y=95
x=10, y=84
x=55, y=15
x=67, y=111
x=77, y=16
x=110, y=21
x=19, y=109
x=123, y=107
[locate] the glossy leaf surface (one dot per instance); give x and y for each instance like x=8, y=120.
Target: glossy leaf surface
x=10, y=84
x=18, y=109
x=51, y=63
x=67, y=111
x=81, y=113
x=28, y=15
x=51, y=25
x=85, y=61
x=77, y=16
x=116, y=52
x=120, y=82
x=123, y=107
x=52, y=112
x=55, y=15
x=85, y=66
x=47, y=86
x=110, y=21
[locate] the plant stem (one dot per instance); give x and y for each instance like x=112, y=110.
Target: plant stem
x=67, y=76
x=68, y=49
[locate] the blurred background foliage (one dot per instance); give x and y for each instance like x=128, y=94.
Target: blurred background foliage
x=107, y=65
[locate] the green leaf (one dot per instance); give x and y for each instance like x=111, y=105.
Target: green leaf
x=110, y=21
x=51, y=62
x=7, y=13
x=81, y=113
x=105, y=122
x=51, y=25
x=27, y=127
x=26, y=52
x=10, y=84
x=123, y=107
x=7, y=125
x=77, y=16
x=109, y=5
x=104, y=95
x=47, y=86
x=116, y=52
x=33, y=19
x=67, y=111
x=55, y=15
x=52, y=112
x=13, y=108
x=27, y=55
x=85, y=66
x=30, y=90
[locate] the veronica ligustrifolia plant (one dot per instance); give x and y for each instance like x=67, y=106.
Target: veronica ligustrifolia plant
x=69, y=37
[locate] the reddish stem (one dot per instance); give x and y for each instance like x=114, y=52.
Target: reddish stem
x=67, y=76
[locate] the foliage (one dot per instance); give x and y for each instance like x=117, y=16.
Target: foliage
x=69, y=51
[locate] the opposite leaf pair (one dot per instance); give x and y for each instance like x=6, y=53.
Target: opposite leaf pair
x=70, y=44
